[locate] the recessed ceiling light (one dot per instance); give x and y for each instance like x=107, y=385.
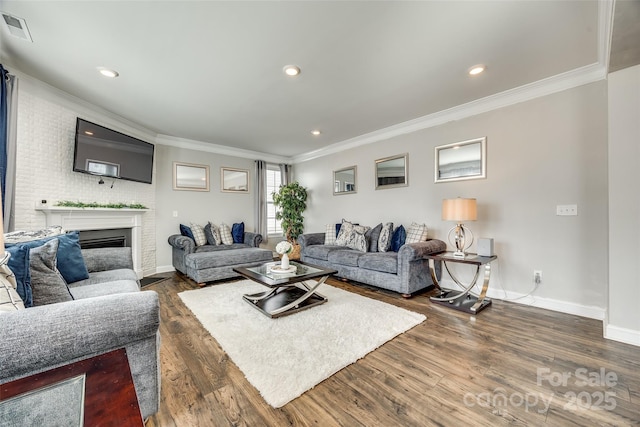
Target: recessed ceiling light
x=108, y=73
x=477, y=69
x=291, y=70
x=315, y=132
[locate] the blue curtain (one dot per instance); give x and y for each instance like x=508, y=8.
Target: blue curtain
x=4, y=126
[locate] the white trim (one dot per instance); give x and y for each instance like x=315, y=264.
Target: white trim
x=605, y=31
x=191, y=144
x=616, y=333
x=82, y=107
x=101, y=219
x=159, y=269
x=558, y=83
x=591, y=312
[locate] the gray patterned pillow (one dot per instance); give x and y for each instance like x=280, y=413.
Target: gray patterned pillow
x=353, y=236
x=384, y=241
x=47, y=284
x=345, y=231
x=27, y=236
x=372, y=236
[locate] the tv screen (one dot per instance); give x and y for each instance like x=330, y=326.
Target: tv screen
x=105, y=152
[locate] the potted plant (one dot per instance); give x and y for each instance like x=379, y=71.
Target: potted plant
x=291, y=201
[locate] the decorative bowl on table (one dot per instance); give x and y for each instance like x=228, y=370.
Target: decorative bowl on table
x=277, y=268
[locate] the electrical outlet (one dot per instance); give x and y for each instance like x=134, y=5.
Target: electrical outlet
x=537, y=276
x=175, y=214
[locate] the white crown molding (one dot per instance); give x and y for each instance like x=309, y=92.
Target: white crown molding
x=226, y=150
x=560, y=82
x=90, y=111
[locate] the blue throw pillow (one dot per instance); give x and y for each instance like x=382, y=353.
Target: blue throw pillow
x=19, y=265
x=399, y=236
x=186, y=231
x=70, y=261
x=237, y=232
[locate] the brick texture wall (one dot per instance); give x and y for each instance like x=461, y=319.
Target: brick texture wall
x=46, y=131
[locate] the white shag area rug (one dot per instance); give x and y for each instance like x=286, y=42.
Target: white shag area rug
x=286, y=356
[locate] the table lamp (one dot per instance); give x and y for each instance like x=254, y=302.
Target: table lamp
x=460, y=210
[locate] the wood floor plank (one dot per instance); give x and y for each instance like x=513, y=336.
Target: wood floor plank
x=420, y=378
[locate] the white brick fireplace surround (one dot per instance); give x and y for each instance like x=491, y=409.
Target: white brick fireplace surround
x=101, y=219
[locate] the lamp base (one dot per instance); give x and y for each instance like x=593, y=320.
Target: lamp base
x=459, y=254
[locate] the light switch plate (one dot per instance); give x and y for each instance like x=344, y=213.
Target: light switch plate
x=567, y=210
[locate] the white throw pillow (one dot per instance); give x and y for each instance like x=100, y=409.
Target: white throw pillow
x=9, y=298
x=225, y=234
x=346, y=229
x=417, y=233
x=198, y=234
x=330, y=235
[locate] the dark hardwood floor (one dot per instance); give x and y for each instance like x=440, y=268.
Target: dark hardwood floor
x=510, y=365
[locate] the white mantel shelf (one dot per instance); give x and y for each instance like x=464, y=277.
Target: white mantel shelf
x=100, y=219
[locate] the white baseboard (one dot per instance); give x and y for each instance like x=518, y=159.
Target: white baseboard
x=164, y=268
x=159, y=269
x=591, y=312
x=616, y=333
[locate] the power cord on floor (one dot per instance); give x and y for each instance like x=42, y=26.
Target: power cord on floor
x=536, y=284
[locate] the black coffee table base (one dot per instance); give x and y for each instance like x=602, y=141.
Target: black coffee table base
x=272, y=303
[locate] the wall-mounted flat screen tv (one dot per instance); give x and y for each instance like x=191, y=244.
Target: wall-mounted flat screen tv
x=105, y=152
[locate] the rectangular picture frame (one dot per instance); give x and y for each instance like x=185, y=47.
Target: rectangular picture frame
x=190, y=177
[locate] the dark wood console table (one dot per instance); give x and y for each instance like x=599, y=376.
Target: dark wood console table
x=463, y=300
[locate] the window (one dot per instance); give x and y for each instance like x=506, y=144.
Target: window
x=274, y=179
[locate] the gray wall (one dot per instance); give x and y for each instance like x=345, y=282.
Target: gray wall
x=197, y=206
x=544, y=152
x=624, y=206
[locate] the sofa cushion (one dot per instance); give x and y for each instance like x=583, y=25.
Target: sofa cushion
x=212, y=232
x=202, y=260
x=330, y=234
x=416, y=233
x=101, y=289
x=70, y=261
x=27, y=236
x=225, y=234
x=384, y=241
x=373, y=236
x=186, y=231
x=345, y=257
x=237, y=232
x=386, y=262
x=9, y=298
x=321, y=251
x=216, y=248
x=19, y=265
x=106, y=276
x=399, y=236
x=198, y=234
x=47, y=284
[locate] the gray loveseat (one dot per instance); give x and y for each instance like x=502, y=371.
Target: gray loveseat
x=207, y=263
x=108, y=312
x=405, y=271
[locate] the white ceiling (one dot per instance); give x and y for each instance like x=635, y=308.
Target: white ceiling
x=211, y=71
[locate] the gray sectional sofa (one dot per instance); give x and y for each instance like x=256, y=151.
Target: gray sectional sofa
x=405, y=271
x=207, y=263
x=108, y=312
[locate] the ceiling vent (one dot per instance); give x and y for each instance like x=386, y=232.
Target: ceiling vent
x=17, y=27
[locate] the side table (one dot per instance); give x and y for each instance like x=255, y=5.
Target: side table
x=463, y=300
